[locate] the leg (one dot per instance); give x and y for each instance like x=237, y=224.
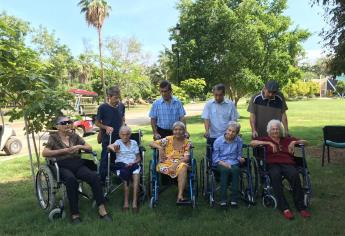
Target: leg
x=136, y=178
x=91, y=177
x=328, y=154
x=276, y=181
x=125, y=192
x=71, y=184
x=224, y=178
x=292, y=175
x=235, y=173
x=182, y=176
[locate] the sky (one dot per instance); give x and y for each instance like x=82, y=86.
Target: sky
x=146, y=20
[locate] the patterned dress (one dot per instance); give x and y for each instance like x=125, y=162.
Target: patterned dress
x=173, y=156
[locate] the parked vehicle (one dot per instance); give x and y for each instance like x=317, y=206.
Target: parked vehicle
x=85, y=108
x=8, y=140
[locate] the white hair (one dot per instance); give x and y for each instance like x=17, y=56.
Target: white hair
x=125, y=128
x=179, y=123
x=277, y=123
x=235, y=125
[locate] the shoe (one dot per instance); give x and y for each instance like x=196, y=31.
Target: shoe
x=223, y=204
x=305, y=214
x=288, y=214
x=233, y=204
x=75, y=221
x=106, y=217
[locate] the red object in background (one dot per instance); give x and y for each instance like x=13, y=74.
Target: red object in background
x=83, y=92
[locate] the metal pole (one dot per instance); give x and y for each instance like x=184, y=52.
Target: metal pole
x=178, y=65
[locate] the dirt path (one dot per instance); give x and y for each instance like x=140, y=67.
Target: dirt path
x=134, y=117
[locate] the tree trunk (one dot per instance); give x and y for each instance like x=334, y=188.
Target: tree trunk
x=29, y=148
x=99, y=29
x=36, y=150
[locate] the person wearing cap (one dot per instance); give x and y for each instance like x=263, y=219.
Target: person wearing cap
x=165, y=112
x=217, y=114
x=110, y=117
x=65, y=146
x=267, y=105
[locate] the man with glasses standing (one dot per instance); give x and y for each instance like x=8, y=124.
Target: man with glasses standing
x=165, y=112
x=110, y=117
x=267, y=105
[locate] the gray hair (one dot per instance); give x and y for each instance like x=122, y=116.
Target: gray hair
x=179, y=123
x=125, y=128
x=235, y=125
x=279, y=124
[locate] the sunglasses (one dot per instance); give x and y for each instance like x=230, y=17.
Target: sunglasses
x=66, y=122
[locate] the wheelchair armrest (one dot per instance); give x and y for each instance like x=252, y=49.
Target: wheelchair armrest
x=94, y=155
x=299, y=145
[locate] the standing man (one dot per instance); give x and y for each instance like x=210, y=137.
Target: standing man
x=217, y=114
x=165, y=112
x=110, y=117
x=267, y=105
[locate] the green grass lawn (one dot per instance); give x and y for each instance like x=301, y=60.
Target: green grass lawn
x=21, y=215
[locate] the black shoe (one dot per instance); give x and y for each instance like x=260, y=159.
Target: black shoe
x=76, y=221
x=234, y=204
x=106, y=217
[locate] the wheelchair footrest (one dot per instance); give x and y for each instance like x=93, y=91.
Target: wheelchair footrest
x=183, y=203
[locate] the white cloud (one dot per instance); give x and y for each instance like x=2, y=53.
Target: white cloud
x=311, y=56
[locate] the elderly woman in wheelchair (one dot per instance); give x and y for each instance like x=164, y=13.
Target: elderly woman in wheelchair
x=227, y=158
x=65, y=146
x=279, y=156
x=174, y=157
x=127, y=164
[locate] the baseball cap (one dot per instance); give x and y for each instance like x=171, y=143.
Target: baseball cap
x=272, y=86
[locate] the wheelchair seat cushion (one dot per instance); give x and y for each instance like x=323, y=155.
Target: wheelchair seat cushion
x=334, y=144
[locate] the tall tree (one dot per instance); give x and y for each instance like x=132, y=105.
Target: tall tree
x=95, y=13
x=239, y=43
x=334, y=35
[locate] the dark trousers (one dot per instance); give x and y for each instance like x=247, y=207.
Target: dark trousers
x=164, y=132
x=234, y=171
x=103, y=166
x=276, y=172
x=70, y=176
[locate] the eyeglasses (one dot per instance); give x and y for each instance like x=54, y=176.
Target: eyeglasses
x=66, y=122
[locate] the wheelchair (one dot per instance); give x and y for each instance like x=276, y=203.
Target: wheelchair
x=51, y=191
x=113, y=182
x=209, y=180
x=156, y=183
x=268, y=198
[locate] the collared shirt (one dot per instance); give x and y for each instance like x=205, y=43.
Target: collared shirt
x=266, y=109
x=229, y=152
x=219, y=115
x=167, y=113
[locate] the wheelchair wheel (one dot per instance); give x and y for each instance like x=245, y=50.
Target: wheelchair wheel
x=306, y=200
x=152, y=202
x=269, y=201
x=194, y=201
x=195, y=180
x=45, y=186
x=202, y=178
x=212, y=190
x=56, y=214
x=254, y=172
x=150, y=179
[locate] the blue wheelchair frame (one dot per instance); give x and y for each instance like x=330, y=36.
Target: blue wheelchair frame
x=154, y=178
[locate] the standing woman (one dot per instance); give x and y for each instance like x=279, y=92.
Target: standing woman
x=65, y=146
x=174, y=156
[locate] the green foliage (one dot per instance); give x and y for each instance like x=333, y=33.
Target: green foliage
x=180, y=94
x=340, y=87
x=24, y=79
x=194, y=88
x=241, y=44
x=301, y=88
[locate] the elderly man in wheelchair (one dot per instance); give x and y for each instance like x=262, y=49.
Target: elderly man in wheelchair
x=65, y=148
x=280, y=162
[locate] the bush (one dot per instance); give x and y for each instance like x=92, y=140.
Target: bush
x=301, y=89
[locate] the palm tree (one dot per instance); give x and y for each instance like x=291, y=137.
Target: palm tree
x=95, y=13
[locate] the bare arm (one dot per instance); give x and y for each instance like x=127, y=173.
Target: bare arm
x=108, y=129
x=154, y=129
x=252, y=120
x=285, y=123
x=207, y=127
x=255, y=143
